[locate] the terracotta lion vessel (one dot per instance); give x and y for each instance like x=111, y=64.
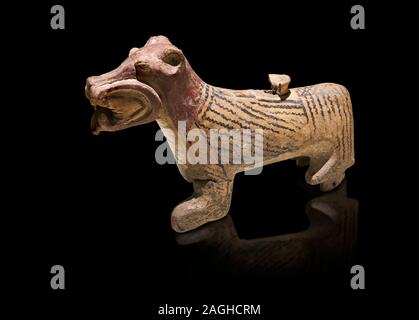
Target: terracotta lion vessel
x=312, y=124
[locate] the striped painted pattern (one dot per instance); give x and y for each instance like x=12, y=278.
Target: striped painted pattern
x=309, y=112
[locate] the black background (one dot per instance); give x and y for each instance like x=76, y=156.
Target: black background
x=100, y=205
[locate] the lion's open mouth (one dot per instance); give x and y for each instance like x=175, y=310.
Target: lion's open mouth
x=119, y=110
x=122, y=104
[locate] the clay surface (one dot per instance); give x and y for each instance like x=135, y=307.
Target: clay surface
x=313, y=124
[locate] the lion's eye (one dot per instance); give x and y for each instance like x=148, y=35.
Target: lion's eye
x=173, y=58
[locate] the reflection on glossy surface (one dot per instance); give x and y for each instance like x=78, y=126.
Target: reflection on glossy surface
x=326, y=246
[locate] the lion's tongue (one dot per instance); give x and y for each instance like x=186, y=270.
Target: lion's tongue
x=94, y=126
x=100, y=120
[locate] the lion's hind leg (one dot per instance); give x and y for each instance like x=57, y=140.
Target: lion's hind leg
x=326, y=170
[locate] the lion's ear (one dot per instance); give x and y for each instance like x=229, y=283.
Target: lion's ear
x=158, y=39
x=132, y=51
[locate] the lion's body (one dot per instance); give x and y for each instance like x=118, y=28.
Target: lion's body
x=314, y=122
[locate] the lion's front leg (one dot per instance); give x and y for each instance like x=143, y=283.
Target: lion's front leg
x=210, y=201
